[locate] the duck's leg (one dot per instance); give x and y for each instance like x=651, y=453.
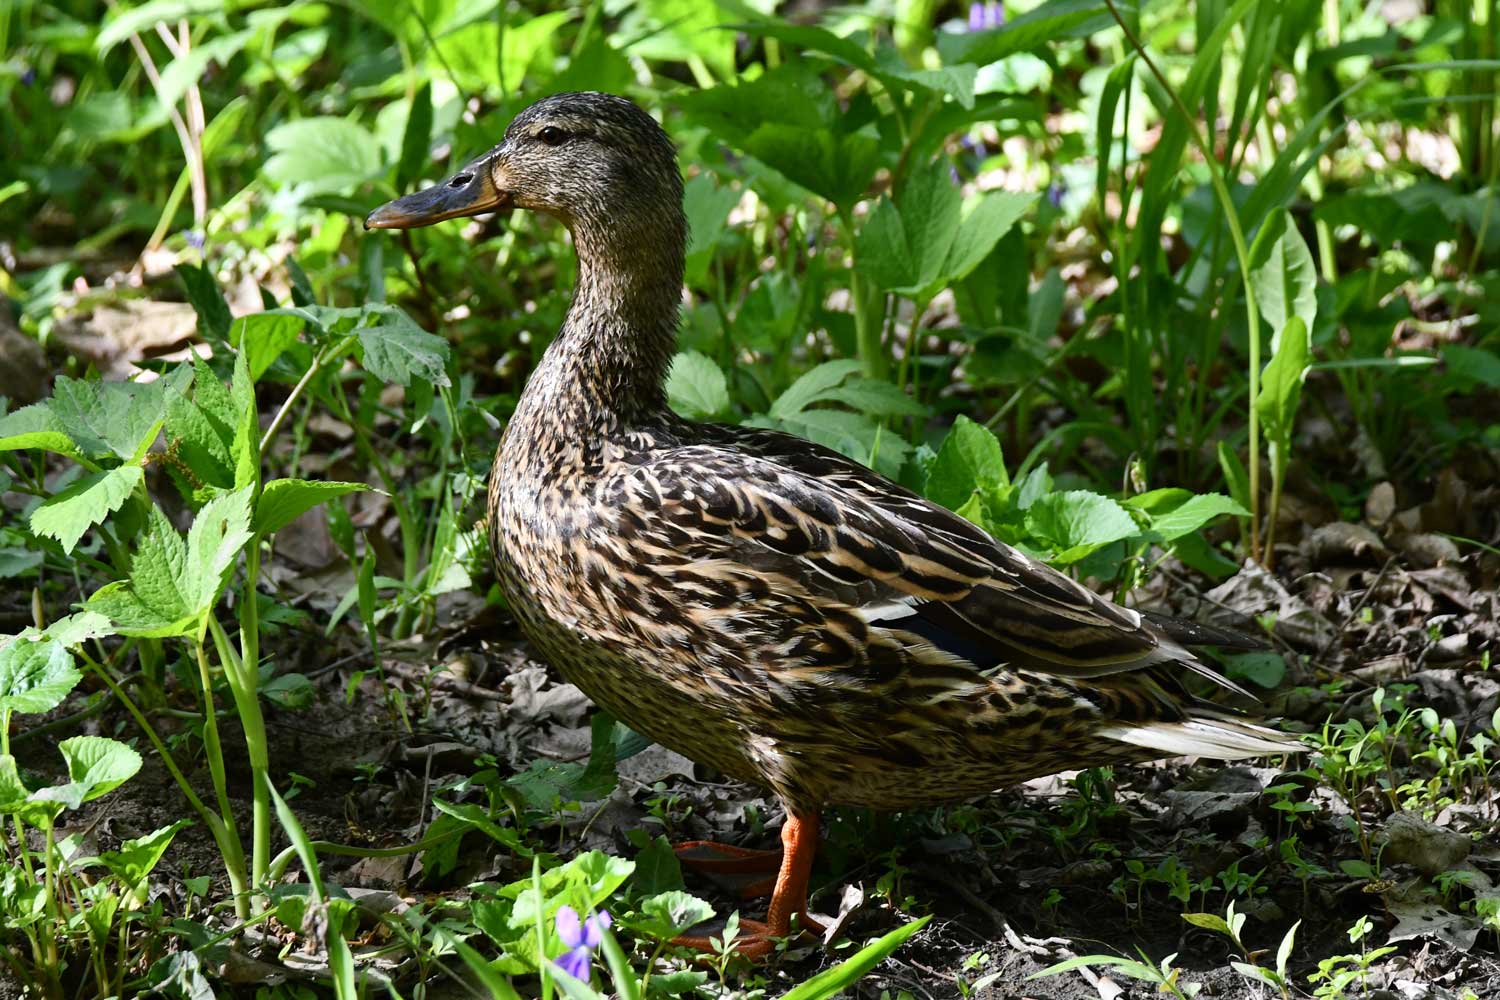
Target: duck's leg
x=799, y=843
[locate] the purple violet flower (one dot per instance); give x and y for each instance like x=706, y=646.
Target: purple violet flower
x=1055, y=192
x=29, y=76
x=581, y=938
x=986, y=16
x=194, y=238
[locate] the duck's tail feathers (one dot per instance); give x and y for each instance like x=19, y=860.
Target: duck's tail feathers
x=1190, y=633
x=1221, y=738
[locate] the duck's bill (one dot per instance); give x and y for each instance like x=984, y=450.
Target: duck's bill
x=471, y=191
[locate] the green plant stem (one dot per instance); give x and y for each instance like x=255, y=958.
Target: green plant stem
x=214, y=751
x=867, y=325
x=1241, y=252
x=241, y=673
x=319, y=361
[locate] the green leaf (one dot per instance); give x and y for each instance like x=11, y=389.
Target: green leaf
x=1281, y=390
x=323, y=155
x=668, y=914
x=696, y=387
x=707, y=205
x=876, y=398
x=245, y=446
x=925, y=241
x=1262, y=666
x=36, y=426
x=812, y=387
x=835, y=981
x=416, y=139
x=174, y=583
x=35, y=675
x=1208, y=921
x=657, y=868
x=1030, y=32
x=136, y=858
x=282, y=501
x=397, y=350
x=102, y=419
x=207, y=300
x=1193, y=514
x=989, y=220
x=137, y=20
x=1471, y=364
x=1285, y=278
x=263, y=337
x=1077, y=522
x=67, y=515
x=969, y=458
x=97, y=765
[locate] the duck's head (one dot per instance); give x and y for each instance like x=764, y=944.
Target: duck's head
x=594, y=161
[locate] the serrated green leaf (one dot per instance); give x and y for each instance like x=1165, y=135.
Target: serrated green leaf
x=696, y=387
x=1079, y=520
x=989, y=220
x=214, y=542
x=262, y=337
x=670, y=913
x=110, y=419
x=397, y=350
x=282, y=501
x=67, y=515
x=36, y=426
x=970, y=457
x=35, y=675
x=1194, y=513
x=244, y=448
x=322, y=154
x=875, y=398
x=811, y=387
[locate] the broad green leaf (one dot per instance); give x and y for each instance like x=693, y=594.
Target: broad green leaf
x=200, y=434
x=1285, y=278
x=1208, y=921
x=990, y=219
x=707, y=205
x=36, y=426
x=657, y=868
x=136, y=858
x=968, y=459
x=262, y=337
x=1281, y=389
x=812, y=387
x=75, y=629
x=323, y=155
x=1261, y=666
x=875, y=398
x=1030, y=32
x=1193, y=514
x=1078, y=521
x=670, y=913
x=67, y=515
x=282, y=501
x=110, y=419
x=696, y=387
x=97, y=765
x=397, y=350
x=214, y=542
x=1473, y=364
x=35, y=675
x=16, y=799
x=152, y=602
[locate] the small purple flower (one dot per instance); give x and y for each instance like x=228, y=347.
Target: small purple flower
x=194, y=238
x=29, y=76
x=1055, y=192
x=580, y=938
x=986, y=16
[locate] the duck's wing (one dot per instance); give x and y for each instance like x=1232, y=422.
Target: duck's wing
x=936, y=573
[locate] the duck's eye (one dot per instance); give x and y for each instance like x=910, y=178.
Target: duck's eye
x=552, y=136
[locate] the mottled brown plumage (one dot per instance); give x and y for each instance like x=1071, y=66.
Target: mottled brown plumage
x=758, y=603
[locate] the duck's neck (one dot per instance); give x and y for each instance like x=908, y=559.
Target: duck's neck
x=606, y=370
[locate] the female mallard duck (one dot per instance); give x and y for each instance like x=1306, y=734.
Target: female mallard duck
x=761, y=604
